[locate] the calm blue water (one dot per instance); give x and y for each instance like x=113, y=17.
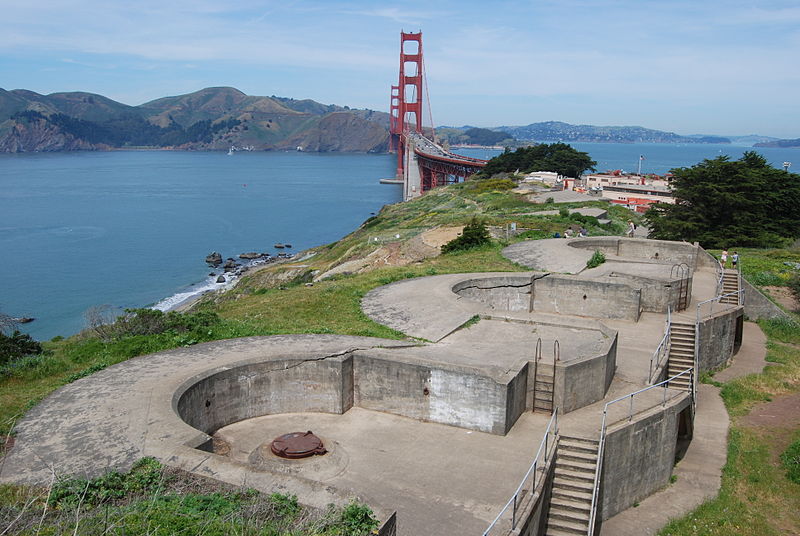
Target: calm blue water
x=661, y=157
x=132, y=228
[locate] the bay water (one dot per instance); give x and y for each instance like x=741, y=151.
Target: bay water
x=132, y=228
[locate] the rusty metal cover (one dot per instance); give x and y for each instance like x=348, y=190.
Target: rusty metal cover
x=297, y=445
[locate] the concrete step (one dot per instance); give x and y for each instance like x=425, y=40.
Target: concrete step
x=573, y=486
x=559, y=527
x=546, y=387
x=582, y=440
x=574, y=456
x=570, y=516
x=572, y=494
x=570, y=446
x=682, y=353
x=573, y=465
x=579, y=507
x=679, y=385
x=566, y=473
x=555, y=531
x=677, y=360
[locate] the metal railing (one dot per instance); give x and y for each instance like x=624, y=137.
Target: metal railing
x=604, y=426
x=547, y=445
x=716, y=299
x=662, y=351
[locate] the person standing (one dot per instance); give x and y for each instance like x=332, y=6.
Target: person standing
x=735, y=259
x=723, y=260
x=631, y=228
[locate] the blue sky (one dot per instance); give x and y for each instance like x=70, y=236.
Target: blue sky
x=701, y=66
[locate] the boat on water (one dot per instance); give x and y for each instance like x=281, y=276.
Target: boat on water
x=230, y=151
x=280, y=246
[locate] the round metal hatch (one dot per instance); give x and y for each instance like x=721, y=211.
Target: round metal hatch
x=297, y=445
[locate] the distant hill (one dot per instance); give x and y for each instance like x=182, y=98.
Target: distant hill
x=473, y=136
x=784, y=144
x=558, y=131
x=209, y=119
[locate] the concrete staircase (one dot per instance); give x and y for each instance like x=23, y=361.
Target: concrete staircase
x=573, y=482
x=730, y=283
x=681, y=353
x=543, y=388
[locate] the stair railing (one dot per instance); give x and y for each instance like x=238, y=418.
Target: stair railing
x=537, y=355
x=662, y=351
x=604, y=428
x=545, y=452
x=682, y=272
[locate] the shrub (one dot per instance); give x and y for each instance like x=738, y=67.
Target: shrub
x=596, y=260
x=17, y=345
x=492, y=185
x=474, y=235
x=357, y=519
x=790, y=459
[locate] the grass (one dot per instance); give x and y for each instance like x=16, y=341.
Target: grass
x=757, y=496
x=152, y=499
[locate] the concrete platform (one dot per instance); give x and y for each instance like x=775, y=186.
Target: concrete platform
x=441, y=479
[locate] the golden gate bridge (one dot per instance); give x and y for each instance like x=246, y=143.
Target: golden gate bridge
x=422, y=163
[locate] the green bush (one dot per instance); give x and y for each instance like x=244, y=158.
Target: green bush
x=790, y=459
x=357, y=519
x=474, y=235
x=492, y=185
x=17, y=345
x=596, y=259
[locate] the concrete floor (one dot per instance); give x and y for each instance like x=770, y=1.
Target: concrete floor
x=441, y=479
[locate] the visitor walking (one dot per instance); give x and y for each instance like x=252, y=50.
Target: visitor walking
x=735, y=259
x=631, y=228
x=723, y=260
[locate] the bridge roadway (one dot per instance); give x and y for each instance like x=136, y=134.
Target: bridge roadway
x=429, y=165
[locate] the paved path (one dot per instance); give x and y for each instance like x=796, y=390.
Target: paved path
x=751, y=358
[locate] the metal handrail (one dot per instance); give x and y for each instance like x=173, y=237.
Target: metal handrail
x=717, y=299
x=663, y=347
x=544, y=447
x=603, y=428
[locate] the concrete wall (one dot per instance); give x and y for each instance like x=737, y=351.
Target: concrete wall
x=586, y=297
x=717, y=335
x=758, y=306
x=576, y=382
x=644, y=447
x=656, y=250
x=252, y=390
x=448, y=396
x=458, y=397
x=504, y=293
x=657, y=294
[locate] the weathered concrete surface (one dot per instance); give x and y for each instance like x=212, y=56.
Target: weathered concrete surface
x=115, y=416
x=699, y=474
x=131, y=410
x=442, y=480
x=758, y=306
x=549, y=255
x=409, y=306
x=751, y=357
